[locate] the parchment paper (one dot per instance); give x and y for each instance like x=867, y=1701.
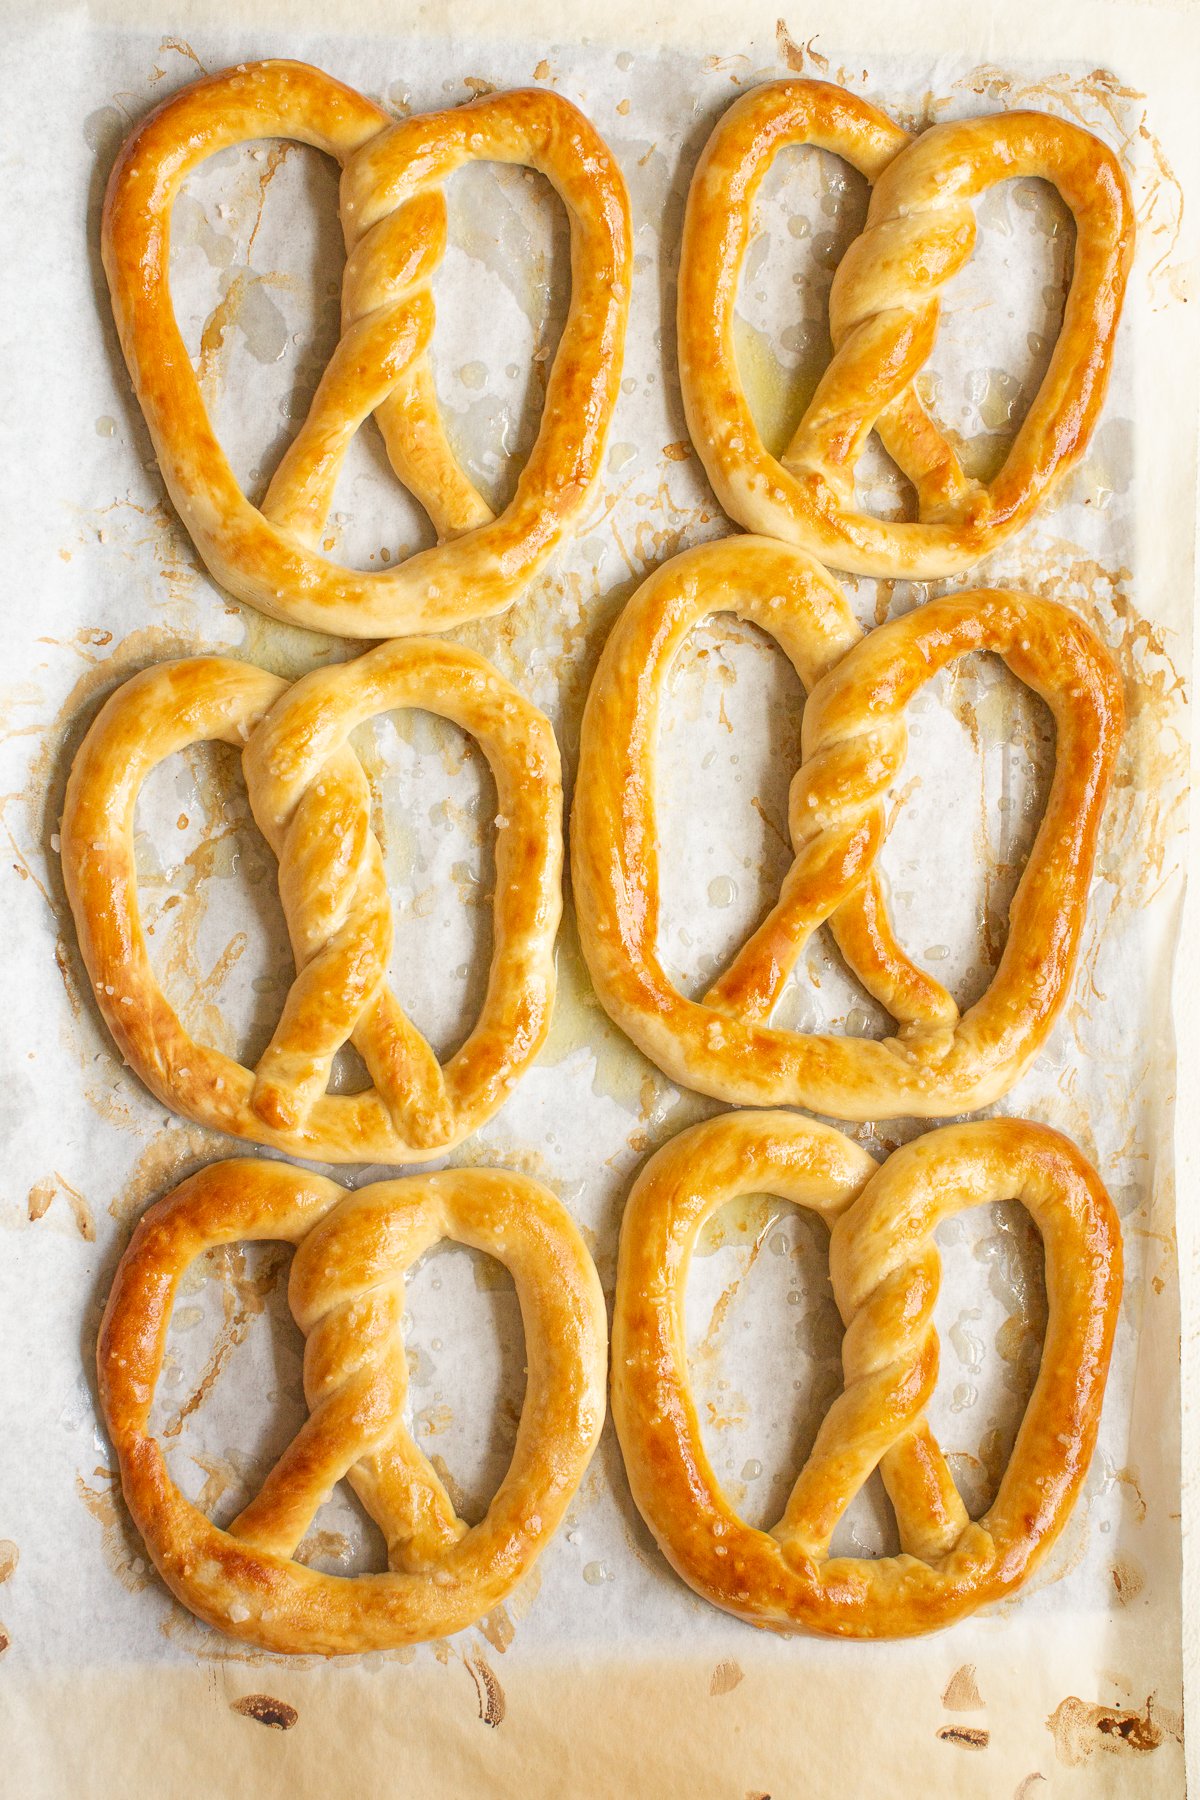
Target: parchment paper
x=603, y=1674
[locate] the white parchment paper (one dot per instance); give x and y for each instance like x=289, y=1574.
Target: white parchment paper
x=1076, y=1681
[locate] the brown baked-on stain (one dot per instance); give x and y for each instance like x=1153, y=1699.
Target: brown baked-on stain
x=244, y=1297
x=497, y=1626
x=487, y=1689
x=266, y=1710
x=962, y=1691
x=9, y=1557
x=725, y=1677
x=169, y=1158
x=967, y=1737
x=1128, y=1580
x=1080, y=1728
x=794, y=55
x=122, y=1549
x=37, y=1203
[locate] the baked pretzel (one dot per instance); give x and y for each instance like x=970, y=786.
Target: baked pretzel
x=883, y=316
x=854, y=744
x=885, y=1268
x=347, y=1295
x=393, y=214
x=311, y=801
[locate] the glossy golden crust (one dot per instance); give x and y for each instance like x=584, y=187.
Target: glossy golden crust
x=312, y=803
x=885, y=1268
x=394, y=218
x=883, y=318
x=854, y=745
x=347, y=1294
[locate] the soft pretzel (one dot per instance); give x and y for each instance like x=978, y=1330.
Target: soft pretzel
x=312, y=803
x=854, y=744
x=347, y=1295
x=394, y=217
x=883, y=316
x=885, y=1268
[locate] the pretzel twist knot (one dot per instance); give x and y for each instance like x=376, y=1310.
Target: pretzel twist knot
x=346, y=1292
x=883, y=316
x=393, y=214
x=854, y=743
x=311, y=801
x=885, y=1269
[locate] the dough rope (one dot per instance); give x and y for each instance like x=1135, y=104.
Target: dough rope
x=311, y=801
x=885, y=1269
x=393, y=214
x=347, y=1294
x=883, y=316
x=854, y=743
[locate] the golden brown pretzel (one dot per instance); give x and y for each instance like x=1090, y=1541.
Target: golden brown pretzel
x=347, y=1295
x=885, y=1268
x=883, y=317
x=312, y=803
x=394, y=217
x=854, y=744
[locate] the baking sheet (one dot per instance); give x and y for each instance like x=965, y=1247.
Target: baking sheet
x=1077, y=1681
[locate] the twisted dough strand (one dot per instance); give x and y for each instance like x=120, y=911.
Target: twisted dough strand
x=885, y=1270
x=311, y=801
x=884, y=306
x=394, y=220
x=346, y=1292
x=853, y=740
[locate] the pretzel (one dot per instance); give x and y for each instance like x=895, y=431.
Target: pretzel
x=886, y=1269
x=393, y=214
x=854, y=745
x=347, y=1295
x=311, y=801
x=883, y=316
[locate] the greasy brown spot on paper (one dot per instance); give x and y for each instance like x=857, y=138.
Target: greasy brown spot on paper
x=725, y=1677
x=967, y=1737
x=1080, y=1728
x=44, y=1191
x=962, y=1691
x=266, y=1710
x=487, y=1689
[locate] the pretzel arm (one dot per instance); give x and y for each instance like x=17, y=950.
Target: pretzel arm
x=335, y=899
x=420, y=452
x=399, y=252
x=862, y=930
x=326, y=995
x=922, y=454
x=331, y=1440
x=855, y=389
x=409, y=1077
x=814, y=886
x=400, y=1489
x=930, y=1514
x=369, y=360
